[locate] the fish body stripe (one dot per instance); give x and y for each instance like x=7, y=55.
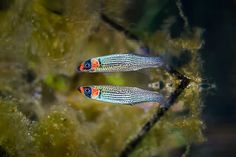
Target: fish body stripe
x=127, y=95
x=126, y=62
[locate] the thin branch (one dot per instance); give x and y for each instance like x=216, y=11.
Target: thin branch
x=120, y=28
x=181, y=13
x=187, y=150
x=154, y=119
x=174, y=72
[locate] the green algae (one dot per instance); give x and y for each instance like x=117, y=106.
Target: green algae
x=57, y=82
x=48, y=117
x=60, y=134
x=15, y=136
x=57, y=134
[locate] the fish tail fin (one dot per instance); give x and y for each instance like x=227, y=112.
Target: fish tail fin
x=161, y=100
x=159, y=61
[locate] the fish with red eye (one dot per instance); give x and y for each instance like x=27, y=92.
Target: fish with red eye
x=90, y=92
x=89, y=65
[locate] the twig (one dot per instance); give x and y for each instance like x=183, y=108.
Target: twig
x=187, y=150
x=120, y=28
x=181, y=13
x=154, y=119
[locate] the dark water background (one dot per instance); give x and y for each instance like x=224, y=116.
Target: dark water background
x=219, y=20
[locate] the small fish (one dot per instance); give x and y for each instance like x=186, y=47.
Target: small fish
x=119, y=63
x=120, y=95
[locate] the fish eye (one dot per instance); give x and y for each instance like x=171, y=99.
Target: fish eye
x=87, y=91
x=87, y=65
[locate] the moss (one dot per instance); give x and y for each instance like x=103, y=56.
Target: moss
x=57, y=82
x=111, y=133
x=191, y=129
x=59, y=134
x=47, y=39
x=15, y=136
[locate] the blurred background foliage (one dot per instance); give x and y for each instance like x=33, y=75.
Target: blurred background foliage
x=41, y=44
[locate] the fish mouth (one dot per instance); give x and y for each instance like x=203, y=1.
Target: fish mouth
x=78, y=69
x=80, y=89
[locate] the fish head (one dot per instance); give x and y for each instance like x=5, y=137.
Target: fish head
x=90, y=92
x=89, y=65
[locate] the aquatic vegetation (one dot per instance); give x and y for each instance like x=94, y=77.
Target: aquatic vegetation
x=41, y=44
x=15, y=136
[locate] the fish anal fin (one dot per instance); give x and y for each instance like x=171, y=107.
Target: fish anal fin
x=147, y=105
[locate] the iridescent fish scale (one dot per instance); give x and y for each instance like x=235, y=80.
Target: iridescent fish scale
x=126, y=62
x=127, y=95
